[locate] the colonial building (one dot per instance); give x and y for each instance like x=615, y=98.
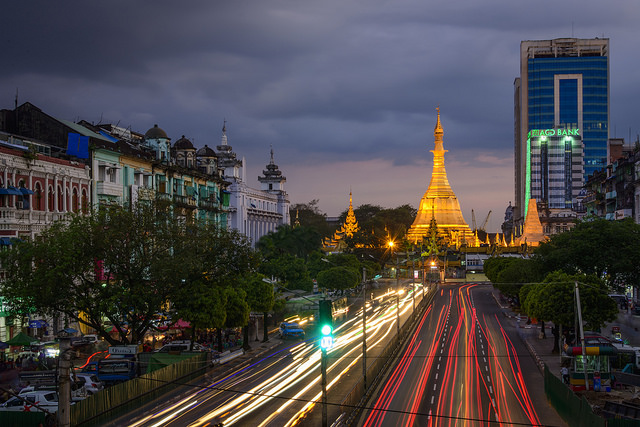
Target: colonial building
x=35, y=191
x=253, y=212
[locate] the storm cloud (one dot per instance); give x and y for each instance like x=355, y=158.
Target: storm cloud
x=345, y=91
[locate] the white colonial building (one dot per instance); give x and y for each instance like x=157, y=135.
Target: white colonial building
x=253, y=212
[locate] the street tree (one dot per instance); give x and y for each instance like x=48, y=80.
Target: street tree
x=210, y=260
x=110, y=268
x=237, y=313
x=310, y=216
x=289, y=270
x=553, y=300
x=340, y=278
x=608, y=249
x=508, y=274
x=261, y=299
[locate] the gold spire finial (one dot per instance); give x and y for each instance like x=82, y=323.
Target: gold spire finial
x=438, y=130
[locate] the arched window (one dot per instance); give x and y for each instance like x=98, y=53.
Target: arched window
x=84, y=202
x=37, y=198
x=51, y=198
x=60, y=197
x=75, y=203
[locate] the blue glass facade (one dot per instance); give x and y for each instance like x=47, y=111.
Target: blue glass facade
x=595, y=109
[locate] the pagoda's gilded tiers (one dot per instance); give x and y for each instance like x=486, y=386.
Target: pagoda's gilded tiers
x=532, y=234
x=440, y=202
x=348, y=229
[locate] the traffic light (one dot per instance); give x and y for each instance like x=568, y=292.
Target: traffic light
x=325, y=321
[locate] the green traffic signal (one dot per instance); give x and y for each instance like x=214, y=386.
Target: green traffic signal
x=325, y=321
x=326, y=329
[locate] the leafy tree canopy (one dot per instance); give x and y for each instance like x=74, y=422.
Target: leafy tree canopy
x=553, y=300
x=338, y=278
x=118, y=267
x=295, y=241
x=309, y=216
x=608, y=249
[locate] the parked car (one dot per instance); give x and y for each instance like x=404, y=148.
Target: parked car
x=291, y=330
x=180, y=346
x=90, y=382
x=47, y=400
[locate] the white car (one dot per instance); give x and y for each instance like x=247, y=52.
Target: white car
x=47, y=400
x=179, y=346
x=90, y=382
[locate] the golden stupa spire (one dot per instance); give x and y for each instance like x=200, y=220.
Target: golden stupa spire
x=439, y=201
x=532, y=233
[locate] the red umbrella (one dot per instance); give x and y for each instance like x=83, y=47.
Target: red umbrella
x=181, y=324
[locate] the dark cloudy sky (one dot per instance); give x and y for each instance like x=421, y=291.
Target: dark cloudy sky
x=345, y=91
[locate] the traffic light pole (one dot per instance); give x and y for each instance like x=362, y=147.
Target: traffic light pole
x=325, y=318
x=323, y=368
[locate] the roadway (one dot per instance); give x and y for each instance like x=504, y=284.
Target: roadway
x=283, y=387
x=462, y=366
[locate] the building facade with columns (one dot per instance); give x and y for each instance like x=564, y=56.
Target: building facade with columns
x=253, y=212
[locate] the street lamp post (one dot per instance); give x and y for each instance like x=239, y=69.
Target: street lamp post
x=364, y=326
x=397, y=290
x=413, y=287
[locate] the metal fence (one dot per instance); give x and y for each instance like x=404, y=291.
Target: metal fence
x=120, y=399
x=575, y=410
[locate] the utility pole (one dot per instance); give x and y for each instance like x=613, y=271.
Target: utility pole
x=413, y=287
x=364, y=326
x=398, y=293
x=584, y=350
x=64, y=380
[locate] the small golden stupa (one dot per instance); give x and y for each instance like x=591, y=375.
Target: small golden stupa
x=440, y=202
x=532, y=234
x=348, y=229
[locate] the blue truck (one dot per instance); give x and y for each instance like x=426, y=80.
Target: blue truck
x=113, y=370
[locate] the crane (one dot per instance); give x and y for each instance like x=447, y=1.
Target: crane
x=484, y=223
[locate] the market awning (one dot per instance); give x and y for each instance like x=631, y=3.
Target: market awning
x=25, y=190
x=21, y=339
x=12, y=191
x=5, y=241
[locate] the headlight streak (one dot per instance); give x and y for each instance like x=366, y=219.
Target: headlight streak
x=284, y=381
x=305, y=356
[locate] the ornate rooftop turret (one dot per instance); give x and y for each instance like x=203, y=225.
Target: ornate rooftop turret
x=272, y=179
x=439, y=201
x=227, y=160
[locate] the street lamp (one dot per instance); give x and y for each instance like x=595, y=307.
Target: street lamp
x=391, y=244
x=364, y=326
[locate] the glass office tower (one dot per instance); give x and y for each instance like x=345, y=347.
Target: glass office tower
x=563, y=84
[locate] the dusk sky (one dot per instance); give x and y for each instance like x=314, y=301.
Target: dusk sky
x=345, y=91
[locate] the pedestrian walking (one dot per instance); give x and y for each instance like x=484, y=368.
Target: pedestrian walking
x=565, y=375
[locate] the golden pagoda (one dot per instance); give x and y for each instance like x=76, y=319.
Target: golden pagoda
x=532, y=234
x=440, y=202
x=348, y=229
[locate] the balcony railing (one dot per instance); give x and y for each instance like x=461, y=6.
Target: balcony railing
x=109, y=188
x=27, y=221
x=185, y=201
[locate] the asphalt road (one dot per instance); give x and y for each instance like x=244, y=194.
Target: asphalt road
x=283, y=387
x=464, y=365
